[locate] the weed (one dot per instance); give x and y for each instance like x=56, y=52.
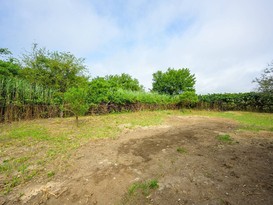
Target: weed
x=51, y=174
x=224, y=138
x=181, y=150
x=144, y=187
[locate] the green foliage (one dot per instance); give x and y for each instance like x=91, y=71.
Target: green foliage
x=265, y=82
x=9, y=67
x=173, y=82
x=20, y=92
x=107, y=89
x=57, y=70
x=99, y=90
x=188, y=99
x=131, y=97
x=76, y=101
x=124, y=81
x=262, y=102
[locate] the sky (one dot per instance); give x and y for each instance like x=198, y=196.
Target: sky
x=225, y=43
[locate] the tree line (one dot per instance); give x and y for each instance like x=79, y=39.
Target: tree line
x=50, y=78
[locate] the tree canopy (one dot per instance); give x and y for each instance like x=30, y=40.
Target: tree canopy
x=265, y=81
x=173, y=82
x=9, y=66
x=58, y=70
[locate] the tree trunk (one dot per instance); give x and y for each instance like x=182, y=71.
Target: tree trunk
x=77, y=120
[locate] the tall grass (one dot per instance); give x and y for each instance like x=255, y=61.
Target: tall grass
x=20, y=92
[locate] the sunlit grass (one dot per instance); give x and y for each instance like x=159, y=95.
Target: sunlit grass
x=248, y=120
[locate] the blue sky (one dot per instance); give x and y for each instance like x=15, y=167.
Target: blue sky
x=225, y=43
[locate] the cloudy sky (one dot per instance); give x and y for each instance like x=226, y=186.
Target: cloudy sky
x=225, y=43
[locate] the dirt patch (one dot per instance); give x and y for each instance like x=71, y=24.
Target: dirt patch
x=208, y=171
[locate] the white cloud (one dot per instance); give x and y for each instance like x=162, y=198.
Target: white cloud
x=225, y=43
x=60, y=24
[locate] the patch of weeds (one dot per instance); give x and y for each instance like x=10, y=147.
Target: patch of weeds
x=50, y=174
x=144, y=187
x=51, y=153
x=9, y=184
x=181, y=150
x=30, y=175
x=225, y=138
x=6, y=166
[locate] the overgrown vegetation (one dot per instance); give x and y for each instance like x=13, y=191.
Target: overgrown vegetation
x=259, y=102
x=45, y=84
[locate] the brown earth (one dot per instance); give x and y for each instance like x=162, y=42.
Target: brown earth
x=209, y=172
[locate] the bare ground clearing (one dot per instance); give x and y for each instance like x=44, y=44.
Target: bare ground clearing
x=209, y=172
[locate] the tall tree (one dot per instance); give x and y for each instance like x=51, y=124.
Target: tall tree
x=58, y=70
x=9, y=66
x=265, y=81
x=173, y=82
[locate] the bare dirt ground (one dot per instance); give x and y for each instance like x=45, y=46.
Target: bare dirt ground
x=209, y=172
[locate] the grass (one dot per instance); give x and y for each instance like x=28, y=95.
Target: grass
x=144, y=187
x=248, y=120
x=181, y=150
x=28, y=148
x=224, y=138
x=39, y=143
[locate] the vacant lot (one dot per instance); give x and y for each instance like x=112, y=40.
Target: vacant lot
x=165, y=157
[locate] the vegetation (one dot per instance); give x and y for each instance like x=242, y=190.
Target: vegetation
x=173, y=82
x=144, y=187
x=28, y=151
x=265, y=81
x=42, y=84
x=247, y=120
x=181, y=150
x=76, y=99
x=224, y=138
x=261, y=102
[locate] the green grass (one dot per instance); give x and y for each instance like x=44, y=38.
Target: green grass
x=248, y=120
x=144, y=187
x=224, y=138
x=181, y=150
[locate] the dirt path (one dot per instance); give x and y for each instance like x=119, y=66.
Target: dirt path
x=209, y=172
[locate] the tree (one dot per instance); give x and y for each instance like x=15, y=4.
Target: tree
x=188, y=98
x=124, y=81
x=57, y=70
x=76, y=101
x=101, y=89
x=265, y=82
x=173, y=82
x=9, y=66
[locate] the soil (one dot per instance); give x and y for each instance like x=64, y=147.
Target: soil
x=209, y=172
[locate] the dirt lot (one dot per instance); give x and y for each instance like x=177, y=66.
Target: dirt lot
x=207, y=171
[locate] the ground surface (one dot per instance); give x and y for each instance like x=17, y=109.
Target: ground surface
x=207, y=171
